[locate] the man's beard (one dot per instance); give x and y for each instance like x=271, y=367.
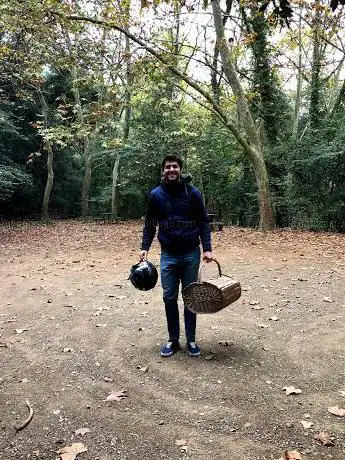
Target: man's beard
x=172, y=178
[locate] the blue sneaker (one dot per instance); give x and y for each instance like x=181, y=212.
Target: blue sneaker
x=169, y=349
x=193, y=349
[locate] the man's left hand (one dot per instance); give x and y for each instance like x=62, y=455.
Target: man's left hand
x=207, y=256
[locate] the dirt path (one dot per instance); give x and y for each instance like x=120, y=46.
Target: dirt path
x=84, y=332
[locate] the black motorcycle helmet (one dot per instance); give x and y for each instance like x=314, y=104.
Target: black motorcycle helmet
x=143, y=275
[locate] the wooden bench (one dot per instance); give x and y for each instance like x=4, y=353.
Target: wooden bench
x=215, y=225
x=107, y=218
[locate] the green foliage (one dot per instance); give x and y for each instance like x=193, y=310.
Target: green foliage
x=306, y=173
x=268, y=101
x=13, y=176
x=312, y=194
x=12, y=180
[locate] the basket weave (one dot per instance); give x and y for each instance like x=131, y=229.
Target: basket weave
x=212, y=295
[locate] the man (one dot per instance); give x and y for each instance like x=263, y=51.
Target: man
x=179, y=210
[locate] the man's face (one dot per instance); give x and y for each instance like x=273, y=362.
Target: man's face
x=172, y=171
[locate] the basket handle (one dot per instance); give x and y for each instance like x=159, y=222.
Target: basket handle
x=213, y=260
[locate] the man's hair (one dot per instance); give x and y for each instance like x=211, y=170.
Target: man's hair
x=171, y=157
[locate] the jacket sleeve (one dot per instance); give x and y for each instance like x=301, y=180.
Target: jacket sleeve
x=149, y=230
x=203, y=221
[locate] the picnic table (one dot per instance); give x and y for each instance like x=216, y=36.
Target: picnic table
x=107, y=218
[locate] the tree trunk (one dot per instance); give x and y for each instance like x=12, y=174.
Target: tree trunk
x=254, y=153
x=85, y=193
x=125, y=129
x=269, y=104
x=339, y=101
x=315, y=86
x=49, y=183
x=87, y=153
x=50, y=158
x=299, y=80
x=265, y=208
x=114, y=199
x=215, y=75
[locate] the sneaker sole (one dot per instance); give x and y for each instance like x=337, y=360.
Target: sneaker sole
x=170, y=353
x=194, y=355
x=166, y=355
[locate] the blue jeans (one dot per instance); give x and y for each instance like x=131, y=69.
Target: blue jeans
x=175, y=269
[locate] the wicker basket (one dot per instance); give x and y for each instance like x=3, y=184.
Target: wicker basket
x=212, y=295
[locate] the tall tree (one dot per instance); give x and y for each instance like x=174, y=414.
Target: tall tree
x=253, y=147
x=245, y=132
x=127, y=110
x=316, y=84
x=47, y=146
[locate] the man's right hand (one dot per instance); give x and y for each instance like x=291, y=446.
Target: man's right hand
x=143, y=255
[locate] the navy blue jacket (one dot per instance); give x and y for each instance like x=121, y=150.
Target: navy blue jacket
x=179, y=211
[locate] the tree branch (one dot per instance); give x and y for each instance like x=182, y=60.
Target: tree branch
x=221, y=114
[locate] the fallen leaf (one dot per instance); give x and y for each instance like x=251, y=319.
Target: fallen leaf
x=143, y=368
x=328, y=299
x=181, y=442
x=306, y=424
x=20, y=331
x=12, y=320
x=324, y=438
x=291, y=455
x=102, y=308
x=71, y=452
x=82, y=431
x=116, y=396
x=335, y=410
x=225, y=343
x=292, y=390
x=67, y=350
